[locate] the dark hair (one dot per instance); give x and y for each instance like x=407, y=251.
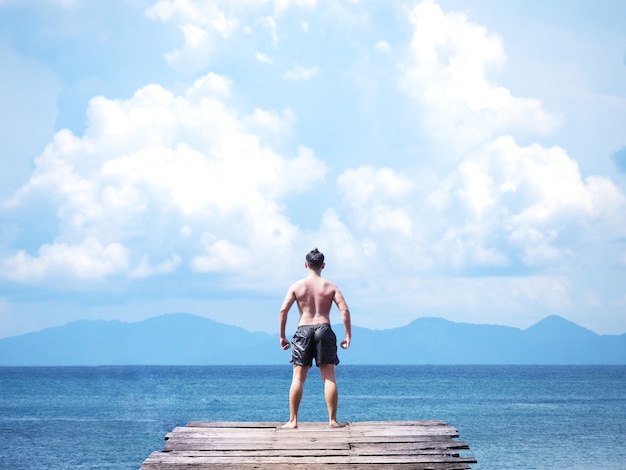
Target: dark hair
x=315, y=258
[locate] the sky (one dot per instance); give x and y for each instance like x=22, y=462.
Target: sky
x=462, y=159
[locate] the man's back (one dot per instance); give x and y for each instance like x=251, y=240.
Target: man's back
x=315, y=296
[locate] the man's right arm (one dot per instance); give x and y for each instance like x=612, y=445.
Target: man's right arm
x=290, y=298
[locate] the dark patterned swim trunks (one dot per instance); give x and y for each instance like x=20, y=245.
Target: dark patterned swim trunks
x=314, y=341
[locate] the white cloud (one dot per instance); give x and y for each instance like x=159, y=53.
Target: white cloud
x=263, y=58
x=269, y=23
x=146, y=269
x=86, y=261
x=221, y=255
x=301, y=73
x=155, y=177
x=206, y=14
x=370, y=184
x=204, y=23
x=283, y=5
x=270, y=123
x=382, y=46
x=196, y=51
x=372, y=194
x=201, y=23
x=450, y=75
x=347, y=256
x=504, y=207
x=545, y=189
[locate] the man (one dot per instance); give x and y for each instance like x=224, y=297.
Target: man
x=314, y=338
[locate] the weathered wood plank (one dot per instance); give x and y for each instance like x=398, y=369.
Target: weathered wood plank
x=176, y=457
x=155, y=465
x=307, y=425
x=274, y=466
x=309, y=453
x=321, y=433
x=358, y=447
x=255, y=444
x=235, y=424
x=399, y=444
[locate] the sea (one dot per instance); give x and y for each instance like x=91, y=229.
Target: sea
x=530, y=417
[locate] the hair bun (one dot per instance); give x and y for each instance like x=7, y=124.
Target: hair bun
x=315, y=258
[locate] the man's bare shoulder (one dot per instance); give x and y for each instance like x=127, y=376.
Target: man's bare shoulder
x=298, y=283
x=328, y=284
x=298, y=286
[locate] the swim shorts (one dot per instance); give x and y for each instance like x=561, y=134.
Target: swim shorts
x=314, y=341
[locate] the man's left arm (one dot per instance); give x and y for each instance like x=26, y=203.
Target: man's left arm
x=345, y=317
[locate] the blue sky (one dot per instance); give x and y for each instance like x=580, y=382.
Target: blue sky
x=459, y=159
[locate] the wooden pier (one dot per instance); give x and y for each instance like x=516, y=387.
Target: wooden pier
x=416, y=445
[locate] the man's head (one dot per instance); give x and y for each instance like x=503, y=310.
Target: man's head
x=315, y=259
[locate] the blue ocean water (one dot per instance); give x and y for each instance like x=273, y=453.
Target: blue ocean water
x=531, y=417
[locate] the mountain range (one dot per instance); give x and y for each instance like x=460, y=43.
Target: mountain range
x=185, y=339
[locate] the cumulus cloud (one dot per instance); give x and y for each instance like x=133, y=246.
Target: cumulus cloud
x=84, y=261
x=205, y=14
x=452, y=65
x=534, y=202
x=376, y=196
x=504, y=207
x=201, y=25
x=160, y=181
x=204, y=23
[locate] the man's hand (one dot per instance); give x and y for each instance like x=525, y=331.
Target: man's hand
x=284, y=343
x=345, y=344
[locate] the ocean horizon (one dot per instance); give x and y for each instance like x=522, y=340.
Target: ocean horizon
x=113, y=417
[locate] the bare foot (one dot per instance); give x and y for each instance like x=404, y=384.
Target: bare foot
x=334, y=424
x=289, y=425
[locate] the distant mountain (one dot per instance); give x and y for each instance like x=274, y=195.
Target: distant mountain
x=553, y=340
x=173, y=339
x=184, y=339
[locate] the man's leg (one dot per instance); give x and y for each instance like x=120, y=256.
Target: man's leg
x=330, y=393
x=295, y=395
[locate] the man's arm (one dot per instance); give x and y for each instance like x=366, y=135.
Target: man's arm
x=290, y=298
x=345, y=317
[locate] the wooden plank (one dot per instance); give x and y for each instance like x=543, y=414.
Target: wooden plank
x=174, y=458
x=306, y=424
x=155, y=465
x=355, y=431
x=236, y=424
x=309, y=453
x=312, y=425
x=200, y=444
x=254, y=445
x=261, y=445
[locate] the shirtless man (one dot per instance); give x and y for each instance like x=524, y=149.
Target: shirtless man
x=314, y=338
